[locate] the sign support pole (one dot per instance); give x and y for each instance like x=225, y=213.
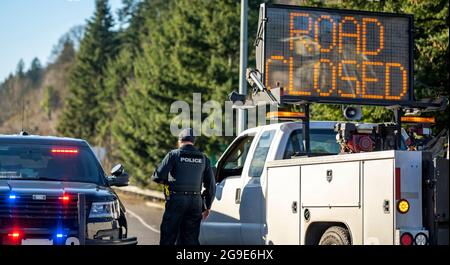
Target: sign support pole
x=398, y=113
x=241, y=117
x=305, y=130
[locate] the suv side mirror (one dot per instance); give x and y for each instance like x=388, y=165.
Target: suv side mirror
x=119, y=177
x=117, y=170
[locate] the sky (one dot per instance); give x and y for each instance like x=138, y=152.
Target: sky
x=30, y=28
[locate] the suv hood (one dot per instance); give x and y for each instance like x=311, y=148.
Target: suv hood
x=54, y=188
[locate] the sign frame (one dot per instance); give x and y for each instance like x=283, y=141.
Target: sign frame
x=295, y=99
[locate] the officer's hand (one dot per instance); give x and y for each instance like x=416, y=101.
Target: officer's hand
x=205, y=214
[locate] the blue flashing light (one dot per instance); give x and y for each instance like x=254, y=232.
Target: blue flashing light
x=12, y=197
x=59, y=235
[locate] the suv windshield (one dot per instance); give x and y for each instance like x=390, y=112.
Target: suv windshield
x=43, y=162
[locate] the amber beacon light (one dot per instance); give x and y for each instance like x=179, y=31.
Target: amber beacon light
x=415, y=119
x=285, y=115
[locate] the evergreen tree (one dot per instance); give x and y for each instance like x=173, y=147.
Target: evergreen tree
x=49, y=101
x=67, y=53
x=35, y=72
x=81, y=113
x=72, y=37
x=20, y=69
x=118, y=72
x=136, y=16
x=190, y=50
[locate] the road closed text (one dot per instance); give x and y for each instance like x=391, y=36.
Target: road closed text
x=337, y=55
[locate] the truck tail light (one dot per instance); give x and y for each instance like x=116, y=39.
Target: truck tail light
x=403, y=206
x=398, y=189
x=421, y=239
x=406, y=239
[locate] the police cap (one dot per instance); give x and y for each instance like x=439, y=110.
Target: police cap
x=187, y=135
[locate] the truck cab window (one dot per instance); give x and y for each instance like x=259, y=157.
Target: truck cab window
x=260, y=154
x=233, y=161
x=294, y=145
x=322, y=142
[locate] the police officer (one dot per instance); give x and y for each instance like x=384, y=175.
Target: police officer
x=182, y=172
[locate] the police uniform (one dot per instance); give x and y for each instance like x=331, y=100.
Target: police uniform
x=183, y=171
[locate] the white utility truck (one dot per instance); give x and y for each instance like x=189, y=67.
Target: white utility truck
x=333, y=183
x=267, y=195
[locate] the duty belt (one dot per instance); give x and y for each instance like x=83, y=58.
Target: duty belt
x=186, y=192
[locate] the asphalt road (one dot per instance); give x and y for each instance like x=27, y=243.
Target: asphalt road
x=144, y=218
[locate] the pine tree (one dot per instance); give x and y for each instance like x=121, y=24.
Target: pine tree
x=20, y=69
x=117, y=74
x=81, y=112
x=67, y=53
x=49, y=101
x=190, y=50
x=72, y=37
x=35, y=72
x=136, y=17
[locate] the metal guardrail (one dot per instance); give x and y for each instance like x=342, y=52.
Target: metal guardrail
x=148, y=194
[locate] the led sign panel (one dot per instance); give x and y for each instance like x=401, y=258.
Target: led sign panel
x=337, y=55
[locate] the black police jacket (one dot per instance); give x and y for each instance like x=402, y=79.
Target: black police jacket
x=186, y=169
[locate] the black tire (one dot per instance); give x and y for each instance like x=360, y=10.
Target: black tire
x=335, y=235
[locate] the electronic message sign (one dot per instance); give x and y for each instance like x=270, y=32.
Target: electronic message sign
x=336, y=56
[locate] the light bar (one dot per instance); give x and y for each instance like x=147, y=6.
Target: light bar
x=285, y=115
x=416, y=119
x=64, y=151
x=12, y=197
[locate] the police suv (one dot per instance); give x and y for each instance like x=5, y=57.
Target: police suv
x=54, y=191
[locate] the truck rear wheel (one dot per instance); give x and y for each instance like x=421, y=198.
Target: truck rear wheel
x=335, y=235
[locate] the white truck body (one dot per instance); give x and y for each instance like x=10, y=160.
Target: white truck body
x=354, y=190
x=262, y=193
